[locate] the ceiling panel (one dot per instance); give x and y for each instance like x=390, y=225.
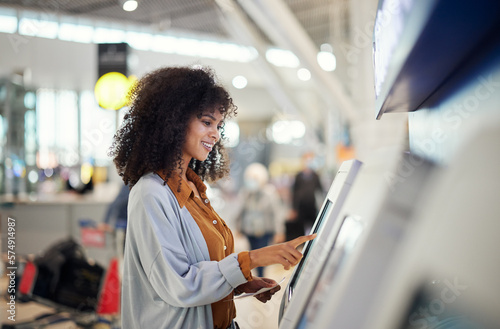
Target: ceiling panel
x=194, y=16
x=203, y=17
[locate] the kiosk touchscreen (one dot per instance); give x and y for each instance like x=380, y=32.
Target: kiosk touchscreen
x=322, y=226
x=364, y=250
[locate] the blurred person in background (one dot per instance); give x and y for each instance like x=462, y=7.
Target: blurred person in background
x=116, y=213
x=180, y=269
x=260, y=217
x=305, y=190
x=115, y=220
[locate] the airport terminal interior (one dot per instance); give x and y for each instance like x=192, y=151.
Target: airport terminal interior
x=394, y=105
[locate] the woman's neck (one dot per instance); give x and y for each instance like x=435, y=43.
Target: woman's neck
x=183, y=168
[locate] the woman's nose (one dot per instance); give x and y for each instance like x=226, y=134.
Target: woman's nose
x=215, y=135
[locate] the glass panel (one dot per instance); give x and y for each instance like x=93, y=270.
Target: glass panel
x=8, y=24
x=46, y=123
x=3, y=138
x=30, y=137
x=97, y=129
x=76, y=33
x=66, y=118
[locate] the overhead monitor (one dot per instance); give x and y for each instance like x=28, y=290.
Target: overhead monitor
x=421, y=46
x=315, y=251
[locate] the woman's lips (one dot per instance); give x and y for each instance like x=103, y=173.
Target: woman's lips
x=208, y=146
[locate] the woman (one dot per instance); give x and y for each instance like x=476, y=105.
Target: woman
x=180, y=269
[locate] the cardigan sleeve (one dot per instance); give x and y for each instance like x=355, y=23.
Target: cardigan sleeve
x=170, y=258
x=203, y=283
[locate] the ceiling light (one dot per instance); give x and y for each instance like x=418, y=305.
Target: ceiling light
x=327, y=61
x=130, y=5
x=239, y=82
x=8, y=23
x=326, y=47
x=282, y=58
x=304, y=74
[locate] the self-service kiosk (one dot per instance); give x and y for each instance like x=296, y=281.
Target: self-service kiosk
x=315, y=252
x=362, y=246
x=447, y=273
x=364, y=249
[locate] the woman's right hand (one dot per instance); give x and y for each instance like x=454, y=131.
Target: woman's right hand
x=285, y=253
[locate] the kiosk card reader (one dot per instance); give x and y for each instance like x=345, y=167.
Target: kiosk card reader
x=315, y=252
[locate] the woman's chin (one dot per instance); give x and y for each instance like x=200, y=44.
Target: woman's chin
x=201, y=158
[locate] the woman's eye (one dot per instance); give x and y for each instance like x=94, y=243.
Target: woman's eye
x=206, y=123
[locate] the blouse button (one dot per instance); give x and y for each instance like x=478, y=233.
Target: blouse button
x=215, y=222
x=206, y=201
x=225, y=247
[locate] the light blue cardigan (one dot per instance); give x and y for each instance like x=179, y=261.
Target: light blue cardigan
x=168, y=278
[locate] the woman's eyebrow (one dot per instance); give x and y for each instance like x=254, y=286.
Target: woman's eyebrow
x=212, y=117
x=208, y=115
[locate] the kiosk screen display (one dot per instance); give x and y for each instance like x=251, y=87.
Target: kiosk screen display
x=318, y=224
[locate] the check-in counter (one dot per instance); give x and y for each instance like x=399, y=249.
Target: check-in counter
x=39, y=224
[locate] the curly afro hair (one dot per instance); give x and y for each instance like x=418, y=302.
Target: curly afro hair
x=154, y=129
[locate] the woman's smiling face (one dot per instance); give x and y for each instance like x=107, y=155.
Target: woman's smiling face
x=201, y=135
